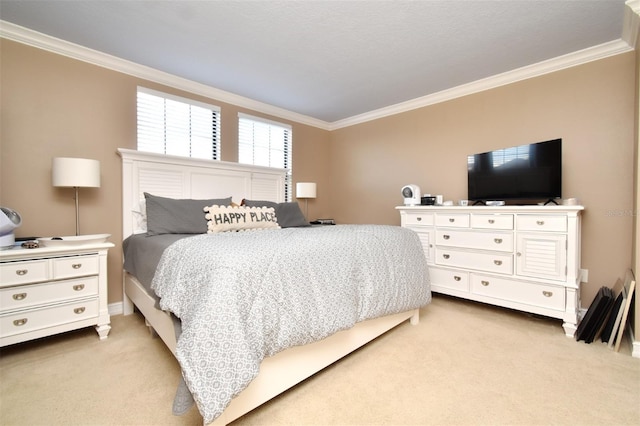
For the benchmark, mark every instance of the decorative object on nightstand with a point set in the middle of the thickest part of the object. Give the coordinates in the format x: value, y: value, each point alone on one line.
x: 306, y: 190
x: 50, y: 290
x: 75, y: 173
x: 9, y: 220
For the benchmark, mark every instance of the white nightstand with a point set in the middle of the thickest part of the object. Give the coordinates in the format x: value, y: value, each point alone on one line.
x: 50, y: 290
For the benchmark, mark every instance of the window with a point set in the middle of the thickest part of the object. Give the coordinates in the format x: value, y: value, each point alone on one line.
x: 173, y: 125
x: 263, y: 142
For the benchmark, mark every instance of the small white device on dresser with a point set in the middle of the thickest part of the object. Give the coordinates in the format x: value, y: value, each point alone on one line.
x: 53, y: 289
x: 411, y: 194
x: 519, y: 257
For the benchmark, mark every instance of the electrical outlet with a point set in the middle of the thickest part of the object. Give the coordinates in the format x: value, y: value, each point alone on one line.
x: 584, y: 275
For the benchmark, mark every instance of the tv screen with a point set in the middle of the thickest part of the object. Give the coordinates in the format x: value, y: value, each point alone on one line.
x: 526, y: 172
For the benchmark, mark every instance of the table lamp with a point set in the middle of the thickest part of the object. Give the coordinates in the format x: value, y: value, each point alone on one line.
x: 75, y: 173
x: 306, y: 190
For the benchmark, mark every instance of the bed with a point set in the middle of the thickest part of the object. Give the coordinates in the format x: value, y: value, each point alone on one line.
x: 283, y: 366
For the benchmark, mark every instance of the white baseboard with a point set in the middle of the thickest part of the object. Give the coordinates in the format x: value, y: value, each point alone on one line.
x: 115, y: 308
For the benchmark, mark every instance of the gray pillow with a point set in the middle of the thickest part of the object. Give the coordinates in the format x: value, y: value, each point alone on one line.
x: 172, y: 216
x: 288, y: 215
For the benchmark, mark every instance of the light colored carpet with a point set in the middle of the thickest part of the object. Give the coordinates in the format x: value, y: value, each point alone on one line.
x: 464, y: 364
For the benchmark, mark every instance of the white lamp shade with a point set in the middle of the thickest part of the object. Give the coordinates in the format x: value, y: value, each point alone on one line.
x: 75, y: 172
x: 306, y: 190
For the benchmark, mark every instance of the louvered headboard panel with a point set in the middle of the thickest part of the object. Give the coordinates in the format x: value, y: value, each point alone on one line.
x: 181, y: 177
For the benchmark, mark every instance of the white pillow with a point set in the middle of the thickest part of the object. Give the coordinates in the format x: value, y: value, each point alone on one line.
x: 233, y: 218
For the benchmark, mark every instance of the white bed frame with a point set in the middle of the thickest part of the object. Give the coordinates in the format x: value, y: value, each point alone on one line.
x: 178, y: 177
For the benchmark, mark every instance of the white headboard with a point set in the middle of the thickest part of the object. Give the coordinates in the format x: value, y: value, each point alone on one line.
x: 183, y: 177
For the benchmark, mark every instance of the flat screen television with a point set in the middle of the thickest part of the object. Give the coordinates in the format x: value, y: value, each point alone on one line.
x: 527, y: 172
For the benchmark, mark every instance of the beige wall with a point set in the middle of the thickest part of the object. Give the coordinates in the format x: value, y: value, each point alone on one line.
x: 590, y: 107
x: 55, y: 106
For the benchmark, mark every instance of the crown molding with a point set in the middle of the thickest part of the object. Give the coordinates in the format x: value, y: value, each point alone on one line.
x: 631, y: 22
x: 535, y: 70
x: 42, y: 41
x: 627, y: 43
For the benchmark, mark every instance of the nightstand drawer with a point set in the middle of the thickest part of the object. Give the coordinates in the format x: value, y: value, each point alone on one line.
x: 75, y: 266
x: 25, y: 321
x: 12, y: 273
x: 13, y: 298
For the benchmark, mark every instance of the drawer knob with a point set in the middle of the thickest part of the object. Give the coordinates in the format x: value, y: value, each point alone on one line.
x: 19, y: 322
x: 19, y: 296
x: 419, y: 219
x: 451, y: 220
x: 446, y: 237
x: 540, y: 222
x: 484, y: 283
x: 22, y: 272
x: 491, y: 221
x: 498, y: 240
x: 76, y: 265
x: 446, y: 256
x: 497, y: 262
x: 547, y: 293
x: 78, y: 310
x: 78, y: 287
x: 456, y: 278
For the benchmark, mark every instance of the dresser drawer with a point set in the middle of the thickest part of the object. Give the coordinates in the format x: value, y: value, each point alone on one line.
x: 75, y: 266
x: 36, y: 319
x: 540, y: 295
x: 492, y: 221
x: 501, y: 263
x: 12, y: 273
x: 417, y: 218
x: 456, y: 280
x: 453, y: 220
x: 549, y: 223
x: 497, y: 241
x: 12, y: 298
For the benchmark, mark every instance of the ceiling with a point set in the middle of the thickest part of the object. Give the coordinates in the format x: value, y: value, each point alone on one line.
x: 328, y: 60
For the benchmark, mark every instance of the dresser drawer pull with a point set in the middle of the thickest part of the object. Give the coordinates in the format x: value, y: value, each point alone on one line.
x: 78, y: 287
x: 19, y: 296
x: 491, y: 221
x: 451, y: 220
x: 540, y: 222
x: 76, y: 265
x: 22, y: 272
x: 446, y: 256
x: 484, y: 283
x: 498, y: 262
x: 446, y: 237
x: 456, y: 278
x: 19, y: 322
x: 547, y: 293
x: 419, y: 219
x: 497, y: 240
x: 78, y: 310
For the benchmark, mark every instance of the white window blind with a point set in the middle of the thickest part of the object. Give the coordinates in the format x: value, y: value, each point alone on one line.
x: 267, y: 143
x: 172, y: 125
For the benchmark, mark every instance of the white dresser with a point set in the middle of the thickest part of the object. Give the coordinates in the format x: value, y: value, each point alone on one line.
x: 520, y: 257
x: 51, y: 290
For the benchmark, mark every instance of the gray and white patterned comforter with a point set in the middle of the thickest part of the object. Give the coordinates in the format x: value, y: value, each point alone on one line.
x: 245, y: 296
